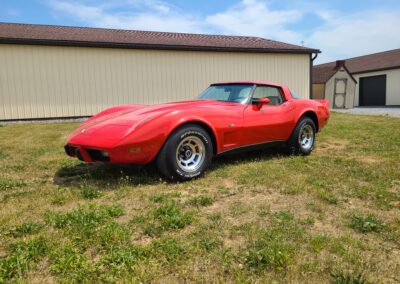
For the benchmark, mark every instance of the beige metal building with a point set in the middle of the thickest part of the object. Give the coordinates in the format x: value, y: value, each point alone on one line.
x: 54, y: 71
x: 377, y: 78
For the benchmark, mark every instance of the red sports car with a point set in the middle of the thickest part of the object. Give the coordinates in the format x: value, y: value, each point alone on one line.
x: 183, y: 137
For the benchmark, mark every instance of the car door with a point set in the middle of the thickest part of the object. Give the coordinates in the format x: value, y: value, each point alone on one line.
x: 271, y: 122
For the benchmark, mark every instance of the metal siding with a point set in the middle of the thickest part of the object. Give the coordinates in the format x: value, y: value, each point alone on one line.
x: 392, y: 86
x: 318, y: 91
x: 49, y: 81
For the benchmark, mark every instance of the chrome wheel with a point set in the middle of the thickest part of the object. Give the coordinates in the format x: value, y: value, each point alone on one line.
x: 190, y: 154
x: 306, y: 137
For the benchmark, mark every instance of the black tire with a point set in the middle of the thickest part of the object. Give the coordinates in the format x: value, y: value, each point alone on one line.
x: 172, y: 166
x: 295, y: 145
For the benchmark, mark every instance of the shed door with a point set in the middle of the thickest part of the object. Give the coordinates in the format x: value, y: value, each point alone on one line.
x: 373, y: 91
x: 339, y: 97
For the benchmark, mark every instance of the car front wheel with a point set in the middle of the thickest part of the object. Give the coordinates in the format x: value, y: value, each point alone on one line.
x: 186, y: 154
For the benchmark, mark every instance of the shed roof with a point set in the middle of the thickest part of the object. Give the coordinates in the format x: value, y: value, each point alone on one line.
x: 97, y: 37
x: 367, y: 63
x: 321, y: 74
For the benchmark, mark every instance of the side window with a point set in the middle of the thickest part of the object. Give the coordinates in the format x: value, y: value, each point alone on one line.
x: 272, y: 93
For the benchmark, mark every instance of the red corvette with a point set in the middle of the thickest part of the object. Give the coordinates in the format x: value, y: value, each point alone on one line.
x: 182, y: 137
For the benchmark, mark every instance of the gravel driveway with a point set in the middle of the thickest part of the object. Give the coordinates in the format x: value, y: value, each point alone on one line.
x: 391, y: 111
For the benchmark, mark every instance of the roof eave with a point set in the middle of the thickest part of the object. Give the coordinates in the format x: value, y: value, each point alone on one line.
x: 376, y: 70
x: 149, y: 46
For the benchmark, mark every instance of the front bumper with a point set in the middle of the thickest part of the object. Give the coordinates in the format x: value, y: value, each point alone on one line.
x: 138, y: 154
x: 87, y: 155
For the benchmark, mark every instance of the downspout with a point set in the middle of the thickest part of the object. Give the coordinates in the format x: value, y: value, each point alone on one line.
x: 312, y: 58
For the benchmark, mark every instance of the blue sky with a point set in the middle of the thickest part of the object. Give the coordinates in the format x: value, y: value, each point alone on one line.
x: 340, y: 29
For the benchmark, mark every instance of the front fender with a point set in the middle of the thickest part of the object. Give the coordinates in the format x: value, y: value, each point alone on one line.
x: 112, y: 110
x: 151, y: 134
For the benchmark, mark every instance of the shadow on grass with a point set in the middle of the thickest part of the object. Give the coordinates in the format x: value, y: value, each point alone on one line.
x: 249, y: 156
x: 100, y: 174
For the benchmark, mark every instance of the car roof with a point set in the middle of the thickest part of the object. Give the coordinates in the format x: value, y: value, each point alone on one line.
x: 250, y: 82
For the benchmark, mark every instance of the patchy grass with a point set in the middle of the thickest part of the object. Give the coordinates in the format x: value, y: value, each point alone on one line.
x: 330, y: 217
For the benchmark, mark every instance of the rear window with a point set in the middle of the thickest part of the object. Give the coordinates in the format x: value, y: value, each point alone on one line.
x: 294, y: 95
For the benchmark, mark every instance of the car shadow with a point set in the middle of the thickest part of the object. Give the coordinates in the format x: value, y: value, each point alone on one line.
x: 101, y: 175
x: 248, y: 156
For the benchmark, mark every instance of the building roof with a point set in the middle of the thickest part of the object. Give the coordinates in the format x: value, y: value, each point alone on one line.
x: 96, y: 37
x: 368, y: 63
x: 321, y: 74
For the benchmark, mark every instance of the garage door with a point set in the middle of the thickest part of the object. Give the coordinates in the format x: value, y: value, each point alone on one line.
x: 373, y: 91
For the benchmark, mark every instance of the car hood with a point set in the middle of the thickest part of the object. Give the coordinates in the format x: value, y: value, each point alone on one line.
x: 117, y: 125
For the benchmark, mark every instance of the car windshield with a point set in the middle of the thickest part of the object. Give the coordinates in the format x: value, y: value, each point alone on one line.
x: 227, y: 93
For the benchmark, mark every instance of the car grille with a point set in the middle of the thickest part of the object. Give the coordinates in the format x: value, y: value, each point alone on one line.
x: 96, y: 155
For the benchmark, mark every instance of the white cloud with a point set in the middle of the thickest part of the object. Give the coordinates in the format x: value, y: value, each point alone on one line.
x: 339, y: 35
x: 253, y: 17
x: 357, y: 34
x: 156, y: 16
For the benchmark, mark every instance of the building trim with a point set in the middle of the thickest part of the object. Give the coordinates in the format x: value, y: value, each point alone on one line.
x: 73, y: 43
x: 376, y: 70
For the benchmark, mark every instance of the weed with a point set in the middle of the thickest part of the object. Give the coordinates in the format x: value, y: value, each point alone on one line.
x: 26, y: 228
x: 268, y: 255
x: 23, y: 255
x: 90, y: 192
x: 164, y: 197
x: 123, y: 258
x: 7, y: 184
x: 169, y: 216
x: 319, y: 242
x: 239, y: 208
x: 113, y: 233
x: 328, y: 197
x: 168, y: 249
x: 365, y: 223
x: 348, y: 278
x: 58, y: 199
x: 70, y: 263
x: 201, y: 201
x: 210, y: 243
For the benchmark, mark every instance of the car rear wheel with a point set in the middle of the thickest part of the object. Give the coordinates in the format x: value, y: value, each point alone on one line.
x: 186, y: 154
x: 302, y: 140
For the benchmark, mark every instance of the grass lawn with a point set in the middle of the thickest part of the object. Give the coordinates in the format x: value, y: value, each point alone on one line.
x: 333, y: 216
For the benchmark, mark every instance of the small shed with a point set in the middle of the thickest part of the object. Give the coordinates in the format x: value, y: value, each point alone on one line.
x: 335, y: 84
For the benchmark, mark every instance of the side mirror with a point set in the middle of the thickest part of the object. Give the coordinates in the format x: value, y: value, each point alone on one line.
x: 261, y: 102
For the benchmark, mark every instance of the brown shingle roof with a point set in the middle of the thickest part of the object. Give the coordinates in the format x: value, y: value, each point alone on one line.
x: 78, y: 36
x: 322, y: 74
x: 373, y: 62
